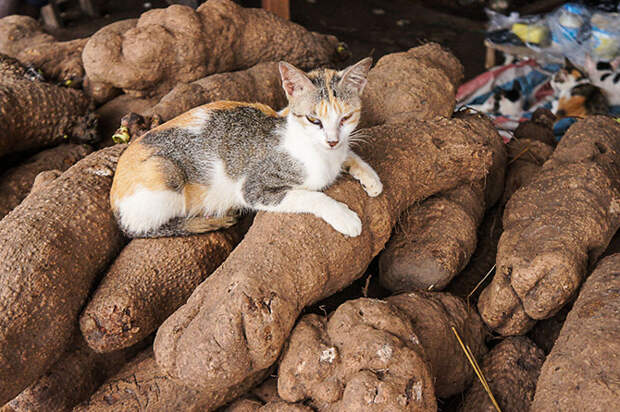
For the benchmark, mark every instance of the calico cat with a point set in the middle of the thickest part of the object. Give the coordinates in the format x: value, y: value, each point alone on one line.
x: 504, y: 102
x: 606, y: 76
x: 191, y: 173
x: 575, y: 94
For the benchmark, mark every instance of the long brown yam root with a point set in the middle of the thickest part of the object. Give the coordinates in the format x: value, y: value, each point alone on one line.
x: 35, y: 114
x: 54, y: 244
x: 555, y: 227
x: 19, y: 32
x: 180, y: 45
x: 141, y: 385
x: 582, y: 372
x: 434, y: 240
x: 15, y: 183
x: 72, y: 379
x: 511, y: 369
x: 370, y: 354
x: 242, y: 314
x: 148, y: 281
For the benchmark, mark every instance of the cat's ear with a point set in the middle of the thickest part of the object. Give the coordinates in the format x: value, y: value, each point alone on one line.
x: 354, y: 77
x: 590, y: 65
x: 615, y: 63
x: 294, y: 81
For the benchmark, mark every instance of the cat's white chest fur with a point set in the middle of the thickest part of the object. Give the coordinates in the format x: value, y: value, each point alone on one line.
x: 321, y: 166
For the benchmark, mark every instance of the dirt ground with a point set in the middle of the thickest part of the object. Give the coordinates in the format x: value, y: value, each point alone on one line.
x: 368, y: 27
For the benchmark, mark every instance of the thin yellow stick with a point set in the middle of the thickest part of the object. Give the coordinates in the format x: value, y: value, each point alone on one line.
x: 478, y: 285
x: 477, y: 370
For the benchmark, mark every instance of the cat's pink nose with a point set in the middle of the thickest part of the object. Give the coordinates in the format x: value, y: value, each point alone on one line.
x: 332, y: 144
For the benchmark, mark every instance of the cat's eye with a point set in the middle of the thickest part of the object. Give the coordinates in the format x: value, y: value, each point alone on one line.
x: 345, y: 118
x: 314, y: 120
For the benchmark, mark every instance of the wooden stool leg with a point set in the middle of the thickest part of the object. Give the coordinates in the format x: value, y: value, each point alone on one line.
x: 279, y: 7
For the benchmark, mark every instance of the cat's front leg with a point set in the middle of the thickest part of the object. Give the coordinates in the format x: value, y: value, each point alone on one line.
x: 365, y: 174
x: 336, y: 213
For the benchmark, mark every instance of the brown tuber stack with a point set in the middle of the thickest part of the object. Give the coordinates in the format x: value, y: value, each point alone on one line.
x: 179, y: 45
x: 15, y: 183
x: 243, y: 312
x: 35, y: 114
x: 582, y: 372
x: 511, y: 369
x: 148, y: 281
x: 370, y: 354
x: 555, y: 227
x: 54, y: 244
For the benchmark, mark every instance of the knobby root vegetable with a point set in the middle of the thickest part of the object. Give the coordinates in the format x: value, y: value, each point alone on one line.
x: 15, y: 183
x: 422, y: 84
x: 19, y: 32
x: 35, y: 114
x: 54, y: 244
x: 372, y: 354
x: 582, y: 372
x: 141, y: 385
x: 511, y: 369
x: 555, y: 227
x: 235, y: 322
x: 434, y: 240
x: 180, y: 45
x: 71, y: 380
x: 148, y: 281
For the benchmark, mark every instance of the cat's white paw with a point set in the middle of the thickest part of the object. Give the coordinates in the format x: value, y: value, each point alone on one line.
x: 373, y: 186
x: 343, y: 219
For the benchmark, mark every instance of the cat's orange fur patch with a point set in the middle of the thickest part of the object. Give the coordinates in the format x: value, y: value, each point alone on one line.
x: 573, y: 106
x: 194, y: 195
x: 137, y: 167
x: 227, y: 104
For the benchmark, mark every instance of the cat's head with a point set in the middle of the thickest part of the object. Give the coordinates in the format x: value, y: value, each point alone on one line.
x: 326, y: 104
x: 567, y: 77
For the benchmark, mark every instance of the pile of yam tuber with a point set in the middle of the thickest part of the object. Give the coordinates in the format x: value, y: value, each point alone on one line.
x: 280, y: 312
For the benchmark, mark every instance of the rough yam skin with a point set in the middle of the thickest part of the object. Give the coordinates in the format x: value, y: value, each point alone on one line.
x: 242, y: 314
x: 366, y: 357
x: 582, y: 372
x: 432, y: 316
x: 511, y: 368
x: 141, y: 386
x: 147, y: 282
x: 61, y: 61
x: 527, y: 157
x: 71, y: 380
x: 260, y: 83
x: 53, y: 246
x: 180, y: 45
x: 15, y: 183
x: 250, y: 405
x: 539, y: 127
x: 36, y: 114
x: 434, y: 240
x: 555, y: 227
x: 421, y: 82
x: 19, y: 32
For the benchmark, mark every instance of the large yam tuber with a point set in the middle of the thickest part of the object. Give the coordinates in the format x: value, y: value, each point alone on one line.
x: 511, y: 369
x: 582, y: 372
x: 15, y: 183
x: 367, y: 357
x: 235, y: 322
x: 19, y: 32
x: 555, y: 227
x: 23, y: 38
x: 180, y: 45
x: 71, y: 380
x: 392, y: 355
x: 148, y: 281
x: 142, y: 386
x: 36, y: 114
x: 422, y: 84
x: 434, y: 240
x: 53, y: 246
